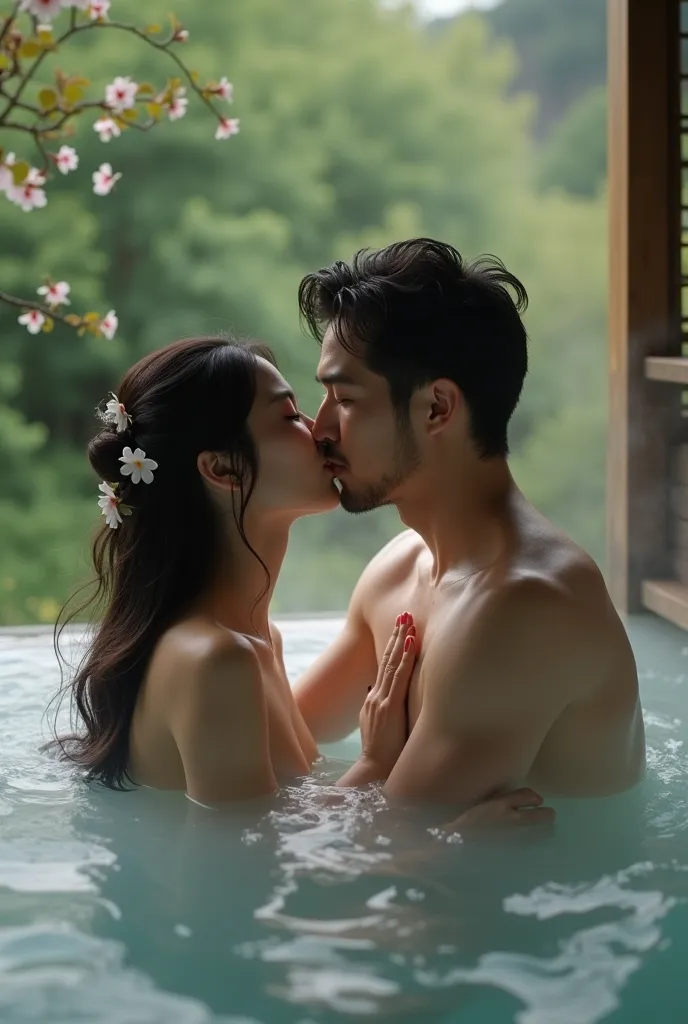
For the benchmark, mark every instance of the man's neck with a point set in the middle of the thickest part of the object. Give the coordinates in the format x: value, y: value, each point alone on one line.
x: 462, y: 516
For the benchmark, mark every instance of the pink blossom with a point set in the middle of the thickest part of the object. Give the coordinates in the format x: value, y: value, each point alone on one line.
x: 225, y: 90
x: 33, y: 320
x: 47, y: 9
x: 98, y: 9
x: 29, y: 195
x: 67, y: 159
x: 104, y: 180
x: 107, y: 129
x: 228, y: 126
x: 177, y: 108
x: 120, y: 94
x: 109, y: 324
x: 6, y: 182
x: 55, y: 294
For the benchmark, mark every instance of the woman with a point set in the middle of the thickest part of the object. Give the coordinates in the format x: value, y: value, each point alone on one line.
x: 205, y: 462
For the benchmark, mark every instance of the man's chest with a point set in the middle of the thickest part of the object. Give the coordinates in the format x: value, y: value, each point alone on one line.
x: 432, y: 612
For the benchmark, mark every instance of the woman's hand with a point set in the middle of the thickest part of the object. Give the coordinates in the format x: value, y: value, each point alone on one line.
x: 523, y: 807
x: 384, y: 717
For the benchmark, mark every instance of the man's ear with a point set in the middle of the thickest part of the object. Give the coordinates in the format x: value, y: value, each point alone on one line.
x: 444, y: 402
x: 215, y: 470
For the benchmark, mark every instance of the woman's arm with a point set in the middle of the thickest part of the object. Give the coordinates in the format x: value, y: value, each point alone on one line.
x: 219, y: 723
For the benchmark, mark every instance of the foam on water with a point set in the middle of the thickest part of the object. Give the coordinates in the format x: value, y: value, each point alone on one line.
x: 324, y: 904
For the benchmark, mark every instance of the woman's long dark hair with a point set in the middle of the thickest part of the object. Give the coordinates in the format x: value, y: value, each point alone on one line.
x: 188, y: 397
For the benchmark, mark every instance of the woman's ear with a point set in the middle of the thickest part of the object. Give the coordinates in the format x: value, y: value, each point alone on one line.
x: 215, y: 470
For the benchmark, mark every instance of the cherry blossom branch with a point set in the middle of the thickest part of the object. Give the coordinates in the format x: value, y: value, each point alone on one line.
x: 58, y: 104
x: 9, y: 19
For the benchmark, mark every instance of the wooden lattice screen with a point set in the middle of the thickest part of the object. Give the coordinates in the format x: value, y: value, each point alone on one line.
x: 648, y: 323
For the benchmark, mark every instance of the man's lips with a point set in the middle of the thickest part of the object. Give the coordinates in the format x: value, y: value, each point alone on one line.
x: 334, y: 467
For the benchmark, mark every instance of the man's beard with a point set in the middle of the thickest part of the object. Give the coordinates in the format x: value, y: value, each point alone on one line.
x: 405, y: 462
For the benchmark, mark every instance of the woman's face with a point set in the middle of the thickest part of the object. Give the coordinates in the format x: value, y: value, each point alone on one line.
x: 292, y: 476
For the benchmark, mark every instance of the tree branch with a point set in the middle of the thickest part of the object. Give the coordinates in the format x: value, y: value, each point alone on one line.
x: 13, y: 300
x: 9, y: 19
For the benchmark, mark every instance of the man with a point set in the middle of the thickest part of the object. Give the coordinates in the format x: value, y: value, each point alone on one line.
x: 524, y: 674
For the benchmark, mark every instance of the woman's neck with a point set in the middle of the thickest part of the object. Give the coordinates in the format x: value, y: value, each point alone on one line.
x: 240, y: 594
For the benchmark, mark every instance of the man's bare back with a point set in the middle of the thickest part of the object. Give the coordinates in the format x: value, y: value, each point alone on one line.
x: 525, y: 674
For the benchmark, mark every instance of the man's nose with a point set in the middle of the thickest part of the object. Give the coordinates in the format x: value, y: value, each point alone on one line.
x: 325, y: 425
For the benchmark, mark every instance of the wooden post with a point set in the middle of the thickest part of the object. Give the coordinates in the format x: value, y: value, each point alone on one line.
x: 644, y: 303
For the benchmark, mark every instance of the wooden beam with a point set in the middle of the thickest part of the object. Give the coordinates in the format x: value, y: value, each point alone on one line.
x: 644, y: 311
x: 668, y: 599
x: 670, y: 369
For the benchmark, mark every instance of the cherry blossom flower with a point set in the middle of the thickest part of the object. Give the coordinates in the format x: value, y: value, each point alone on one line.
x: 108, y: 503
x: 225, y: 90
x: 107, y: 129
x: 67, y: 159
x: 104, y: 180
x: 6, y: 182
x: 137, y: 466
x: 109, y: 324
x: 47, y: 9
x: 117, y: 414
x: 33, y: 320
x: 29, y: 195
x: 178, y: 105
x: 181, y: 35
x: 120, y: 94
x: 55, y: 294
x: 228, y: 126
x: 98, y: 9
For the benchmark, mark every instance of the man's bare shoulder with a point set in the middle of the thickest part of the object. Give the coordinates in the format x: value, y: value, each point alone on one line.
x: 393, y: 560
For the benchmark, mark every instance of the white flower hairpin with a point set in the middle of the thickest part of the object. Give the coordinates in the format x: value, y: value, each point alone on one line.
x: 116, y: 413
x: 111, y: 506
x: 137, y: 466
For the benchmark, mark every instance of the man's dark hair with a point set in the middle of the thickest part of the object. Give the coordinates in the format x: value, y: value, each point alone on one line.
x: 416, y: 311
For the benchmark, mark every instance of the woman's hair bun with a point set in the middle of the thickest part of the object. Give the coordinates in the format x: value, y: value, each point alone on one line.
x: 104, y: 451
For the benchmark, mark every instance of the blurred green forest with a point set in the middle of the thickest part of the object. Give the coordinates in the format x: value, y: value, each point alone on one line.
x: 359, y: 125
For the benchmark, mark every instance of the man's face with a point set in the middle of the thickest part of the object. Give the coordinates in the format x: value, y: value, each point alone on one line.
x: 370, y: 451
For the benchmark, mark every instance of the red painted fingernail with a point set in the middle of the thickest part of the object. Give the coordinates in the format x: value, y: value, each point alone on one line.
x: 398, y: 622
x: 405, y: 618
x: 407, y: 643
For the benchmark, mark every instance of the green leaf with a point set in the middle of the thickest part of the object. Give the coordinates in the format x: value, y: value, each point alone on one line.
x: 153, y: 29
x: 49, y: 325
x: 146, y: 89
x: 5, y: 62
x: 73, y: 93
x: 130, y: 114
x: 47, y: 99
x: 30, y: 48
x: 19, y: 171
x: 155, y: 110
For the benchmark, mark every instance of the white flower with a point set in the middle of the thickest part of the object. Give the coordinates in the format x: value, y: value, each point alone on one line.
x: 108, y: 505
x: 177, y: 107
x: 137, y: 466
x: 55, y: 294
x: 47, y: 9
x: 104, y: 180
x: 225, y: 90
x: 29, y: 195
x: 98, y: 9
x: 6, y: 182
x: 107, y: 129
x: 120, y: 94
x: 227, y: 126
x: 67, y: 159
x: 117, y: 414
x: 181, y: 36
x: 33, y: 320
x: 109, y: 324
